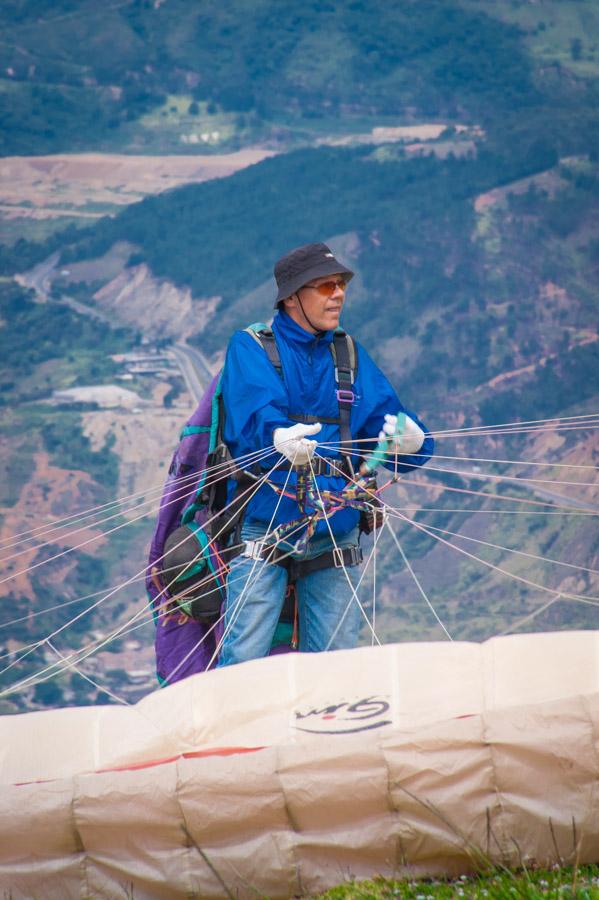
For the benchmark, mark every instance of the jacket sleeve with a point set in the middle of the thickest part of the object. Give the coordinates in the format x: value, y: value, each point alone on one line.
x: 378, y: 397
x: 254, y: 397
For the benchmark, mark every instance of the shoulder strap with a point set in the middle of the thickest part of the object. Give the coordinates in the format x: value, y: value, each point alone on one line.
x: 264, y: 336
x: 345, y: 355
x: 345, y: 358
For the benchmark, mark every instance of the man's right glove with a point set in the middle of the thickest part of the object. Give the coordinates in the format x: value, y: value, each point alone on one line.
x: 292, y: 443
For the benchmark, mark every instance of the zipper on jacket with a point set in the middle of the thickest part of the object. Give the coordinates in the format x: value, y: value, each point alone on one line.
x: 313, y: 345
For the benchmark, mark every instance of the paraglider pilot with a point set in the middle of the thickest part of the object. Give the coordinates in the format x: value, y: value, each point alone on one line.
x: 310, y: 409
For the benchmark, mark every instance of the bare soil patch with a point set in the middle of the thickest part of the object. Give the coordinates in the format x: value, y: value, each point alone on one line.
x: 144, y: 442
x: 49, y: 495
x: 56, y: 185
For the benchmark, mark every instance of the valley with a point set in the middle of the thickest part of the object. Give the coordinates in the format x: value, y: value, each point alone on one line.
x: 449, y: 157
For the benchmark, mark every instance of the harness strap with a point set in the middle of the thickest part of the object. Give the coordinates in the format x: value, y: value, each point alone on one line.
x: 194, y: 429
x: 321, y: 466
x: 266, y: 338
x: 310, y: 420
x: 345, y: 361
x: 344, y: 376
x: 299, y: 568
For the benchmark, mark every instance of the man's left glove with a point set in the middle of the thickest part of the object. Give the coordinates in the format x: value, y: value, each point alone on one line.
x: 406, y: 440
x: 292, y: 443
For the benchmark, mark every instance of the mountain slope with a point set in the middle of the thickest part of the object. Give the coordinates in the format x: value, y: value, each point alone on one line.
x: 77, y: 77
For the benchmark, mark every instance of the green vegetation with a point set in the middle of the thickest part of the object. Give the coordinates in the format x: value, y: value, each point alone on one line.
x: 580, y: 882
x: 69, y: 448
x: 34, y: 231
x: 555, y: 383
x: 414, y: 219
x: 476, y: 284
x: 88, y: 75
x: 421, y: 207
x: 44, y: 347
x: 559, y: 33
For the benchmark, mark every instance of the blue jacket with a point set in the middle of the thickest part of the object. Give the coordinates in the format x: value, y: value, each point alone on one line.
x: 257, y: 401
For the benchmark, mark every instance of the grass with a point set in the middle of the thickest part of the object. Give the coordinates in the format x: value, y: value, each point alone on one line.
x: 579, y: 881
x: 35, y: 230
x: 168, y: 128
x: 551, y: 30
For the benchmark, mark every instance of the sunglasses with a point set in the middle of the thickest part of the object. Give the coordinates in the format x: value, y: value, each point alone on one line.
x: 328, y: 288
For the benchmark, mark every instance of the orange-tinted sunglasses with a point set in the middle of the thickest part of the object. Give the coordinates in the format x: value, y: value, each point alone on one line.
x: 328, y: 288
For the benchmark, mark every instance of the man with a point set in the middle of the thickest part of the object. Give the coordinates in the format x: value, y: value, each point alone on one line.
x: 287, y: 408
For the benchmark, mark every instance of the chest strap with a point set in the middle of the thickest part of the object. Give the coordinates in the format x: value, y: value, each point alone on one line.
x: 321, y: 465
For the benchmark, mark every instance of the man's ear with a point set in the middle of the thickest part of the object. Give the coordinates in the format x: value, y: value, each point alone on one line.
x: 290, y: 302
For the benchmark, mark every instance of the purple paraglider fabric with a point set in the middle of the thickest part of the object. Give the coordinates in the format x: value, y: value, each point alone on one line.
x: 183, y: 645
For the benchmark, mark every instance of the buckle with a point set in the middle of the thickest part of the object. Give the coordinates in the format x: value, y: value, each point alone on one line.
x: 350, y: 466
x: 323, y: 467
x: 356, y: 556
x: 344, y: 396
x: 338, y: 560
x: 253, y: 549
x: 346, y: 372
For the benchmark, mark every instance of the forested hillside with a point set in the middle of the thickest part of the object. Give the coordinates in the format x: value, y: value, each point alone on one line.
x: 465, y: 286
x: 476, y: 255
x: 76, y: 75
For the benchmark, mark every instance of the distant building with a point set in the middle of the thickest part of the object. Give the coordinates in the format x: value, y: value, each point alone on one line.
x: 107, y: 396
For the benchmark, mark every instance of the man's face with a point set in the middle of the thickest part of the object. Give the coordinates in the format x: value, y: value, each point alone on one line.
x: 316, y: 311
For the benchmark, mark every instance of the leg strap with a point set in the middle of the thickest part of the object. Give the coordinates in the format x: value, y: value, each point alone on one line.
x: 298, y: 568
x: 338, y: 558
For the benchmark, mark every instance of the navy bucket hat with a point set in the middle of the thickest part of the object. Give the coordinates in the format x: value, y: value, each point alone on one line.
x: 301, y: 265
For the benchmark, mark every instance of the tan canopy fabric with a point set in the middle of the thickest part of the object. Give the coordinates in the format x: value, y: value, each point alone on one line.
x: 287, y: 775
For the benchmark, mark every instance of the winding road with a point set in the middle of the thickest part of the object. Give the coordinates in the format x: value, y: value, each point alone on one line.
x: 194, y: 368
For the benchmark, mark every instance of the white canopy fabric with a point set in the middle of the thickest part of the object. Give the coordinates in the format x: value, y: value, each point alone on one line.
x: 290, y: 774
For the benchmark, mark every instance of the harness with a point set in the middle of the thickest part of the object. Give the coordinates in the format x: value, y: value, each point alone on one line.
x: 345, y: 361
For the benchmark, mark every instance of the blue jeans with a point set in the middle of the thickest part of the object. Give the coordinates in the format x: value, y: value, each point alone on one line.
x: 329, y: 615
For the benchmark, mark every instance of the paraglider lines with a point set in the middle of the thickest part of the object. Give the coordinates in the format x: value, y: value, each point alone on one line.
x: 588, y: 422
x: 593, y: 600
x: 548, y: 559
x: 117, y: 515
x: 190, y: 477
x: 90, y: 680
x: 371, y: 557
x: 103, y: 642
x: 234, y: 613
x: 417, y: 582
x: 343, y: 567
x: 563, y: 595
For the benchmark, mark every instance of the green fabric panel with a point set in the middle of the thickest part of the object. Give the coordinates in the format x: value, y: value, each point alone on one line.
x: 192, y: 570
x: 190, y: 512
x: 200, y: 564
x: 194, y: 429
x: 283, y: 635
x: 205, y: 562
x: 213, y: 429
x: 154, y: 611
x: 214, y: 417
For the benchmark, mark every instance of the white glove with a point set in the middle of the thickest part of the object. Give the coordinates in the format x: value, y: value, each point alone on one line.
x: 292, y: 443
x: 409, y: 441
